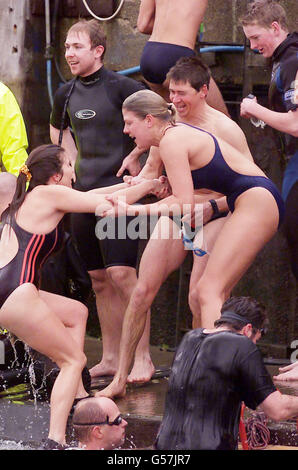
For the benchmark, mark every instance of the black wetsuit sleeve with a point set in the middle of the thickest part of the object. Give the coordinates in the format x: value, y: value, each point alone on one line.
x: 255, y: 381
x: 288, y: 76
x: 58, y: 106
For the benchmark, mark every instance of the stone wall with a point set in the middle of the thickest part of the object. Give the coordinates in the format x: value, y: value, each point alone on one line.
x: 23, y: 68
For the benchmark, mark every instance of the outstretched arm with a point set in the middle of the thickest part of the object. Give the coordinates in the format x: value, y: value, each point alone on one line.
x: 64, y: 199
x: 280, y: 407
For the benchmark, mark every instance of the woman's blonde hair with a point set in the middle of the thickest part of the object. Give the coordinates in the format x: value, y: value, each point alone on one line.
x: 146, y: 102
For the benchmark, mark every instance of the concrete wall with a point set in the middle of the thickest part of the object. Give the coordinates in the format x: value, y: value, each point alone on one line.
x: 23, y: 68
x: 12, y: 33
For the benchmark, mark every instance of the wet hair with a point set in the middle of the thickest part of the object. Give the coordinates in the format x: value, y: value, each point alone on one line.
x: 263, y: 13
x: 86, y: 411
x: 145, y: 102
x: 94, y: 31
x: 42, y: 163
x: 248, y: 308
x: 192, y: 70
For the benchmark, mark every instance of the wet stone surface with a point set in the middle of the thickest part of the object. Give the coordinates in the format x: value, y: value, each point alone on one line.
x: 24, y: 422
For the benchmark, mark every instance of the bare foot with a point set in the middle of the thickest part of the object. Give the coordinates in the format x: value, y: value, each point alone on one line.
x: 142, y: 371
x: 102, y: 369
x: 112, y: 390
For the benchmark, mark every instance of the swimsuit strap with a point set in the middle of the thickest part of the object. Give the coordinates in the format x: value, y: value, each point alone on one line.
x: 203, y: 130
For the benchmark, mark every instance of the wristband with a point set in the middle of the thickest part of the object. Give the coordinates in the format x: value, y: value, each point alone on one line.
x: 214, y: 205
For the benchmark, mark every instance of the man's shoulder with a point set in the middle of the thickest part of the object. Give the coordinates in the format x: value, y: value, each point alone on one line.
x: 232, y: 338
x: 116, y: 77
x: 63, y: 89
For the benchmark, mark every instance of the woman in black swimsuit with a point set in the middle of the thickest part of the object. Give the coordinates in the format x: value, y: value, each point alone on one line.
x: 51, y: 324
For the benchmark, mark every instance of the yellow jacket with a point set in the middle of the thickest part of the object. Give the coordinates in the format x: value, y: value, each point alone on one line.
x: 13, y: 137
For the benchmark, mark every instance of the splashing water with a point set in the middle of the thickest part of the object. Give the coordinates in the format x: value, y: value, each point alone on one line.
x: 13, y: 445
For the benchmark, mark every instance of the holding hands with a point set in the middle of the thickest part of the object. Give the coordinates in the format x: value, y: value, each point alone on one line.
x: 161, y: 185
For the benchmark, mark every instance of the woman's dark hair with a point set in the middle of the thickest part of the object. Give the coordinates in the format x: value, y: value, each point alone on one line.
x: 42, y: 163
x: 250, y: 309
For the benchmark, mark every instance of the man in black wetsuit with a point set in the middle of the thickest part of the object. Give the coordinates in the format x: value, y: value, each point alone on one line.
x: 93, y: 102
x: 213, y: 372
x: 265, y: 25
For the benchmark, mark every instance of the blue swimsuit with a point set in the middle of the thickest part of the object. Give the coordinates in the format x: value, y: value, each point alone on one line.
x: 158, y: 57
x: 219, y: 177
x: 26, y: 266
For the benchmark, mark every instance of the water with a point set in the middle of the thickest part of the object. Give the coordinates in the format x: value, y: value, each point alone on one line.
x: 24, y: 414
x: 13, y: 445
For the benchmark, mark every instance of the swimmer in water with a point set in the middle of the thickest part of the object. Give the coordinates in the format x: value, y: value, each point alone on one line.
x: 98, y: 424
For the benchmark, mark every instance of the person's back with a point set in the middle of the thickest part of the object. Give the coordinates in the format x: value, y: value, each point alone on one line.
x: 178, y: 22
x: 211, y: 375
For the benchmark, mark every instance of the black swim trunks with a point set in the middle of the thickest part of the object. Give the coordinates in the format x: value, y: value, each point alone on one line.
x: 99, y: 251
x: 158, y: 57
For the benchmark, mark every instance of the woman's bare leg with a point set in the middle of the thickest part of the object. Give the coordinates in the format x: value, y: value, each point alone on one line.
x: 73, y: 315
x: 249, y: 228
x: 27, y: 316
x: 210, y: 234
x: 163, y: 254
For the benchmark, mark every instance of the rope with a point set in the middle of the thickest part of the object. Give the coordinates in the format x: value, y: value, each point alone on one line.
x: 258, y: 434
x: 254, y: 433
x: 103, y: 19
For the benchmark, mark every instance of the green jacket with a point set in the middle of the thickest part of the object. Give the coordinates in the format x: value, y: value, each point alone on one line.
x: 13, y: 137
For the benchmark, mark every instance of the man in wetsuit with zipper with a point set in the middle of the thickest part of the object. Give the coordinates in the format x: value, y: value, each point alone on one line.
x: 93, y: 104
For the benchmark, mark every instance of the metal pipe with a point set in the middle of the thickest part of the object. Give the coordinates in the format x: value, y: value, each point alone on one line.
x: 48, y: 54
